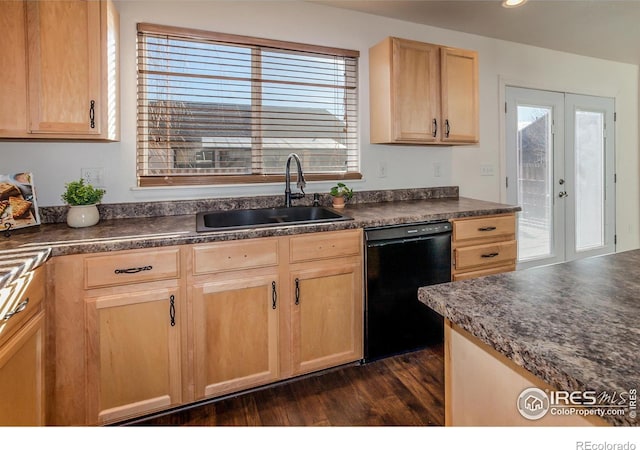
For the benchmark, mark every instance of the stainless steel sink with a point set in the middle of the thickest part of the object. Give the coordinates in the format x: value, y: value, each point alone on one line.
x: 265, y: 217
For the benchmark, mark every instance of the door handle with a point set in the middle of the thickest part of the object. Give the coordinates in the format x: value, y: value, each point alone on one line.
x: 563, y: 194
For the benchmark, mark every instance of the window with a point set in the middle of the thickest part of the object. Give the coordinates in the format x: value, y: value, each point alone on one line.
x: 216, y: 108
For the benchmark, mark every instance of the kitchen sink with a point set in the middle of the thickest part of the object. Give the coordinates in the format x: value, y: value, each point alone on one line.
x: 265, y: 217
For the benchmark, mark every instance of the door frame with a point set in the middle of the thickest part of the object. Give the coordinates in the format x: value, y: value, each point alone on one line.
x: 558, y: 240
x: 503, y: 83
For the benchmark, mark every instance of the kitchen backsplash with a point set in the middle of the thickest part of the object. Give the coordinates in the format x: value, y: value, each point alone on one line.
x: 58, y: 214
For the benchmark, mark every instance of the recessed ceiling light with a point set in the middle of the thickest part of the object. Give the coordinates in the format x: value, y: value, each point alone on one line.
x: 513, y: 3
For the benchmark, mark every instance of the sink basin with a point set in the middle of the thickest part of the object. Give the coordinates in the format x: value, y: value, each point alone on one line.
x: 265, y: 217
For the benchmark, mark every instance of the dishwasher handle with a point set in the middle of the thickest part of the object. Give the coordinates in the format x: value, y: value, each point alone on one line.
x: 384, y: 242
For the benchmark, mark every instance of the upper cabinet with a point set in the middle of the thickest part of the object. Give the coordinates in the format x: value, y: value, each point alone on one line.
x: 422, y: 93
x: 61, y: 75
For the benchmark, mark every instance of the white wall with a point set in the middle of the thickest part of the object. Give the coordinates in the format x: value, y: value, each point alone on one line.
x: 501, y: 62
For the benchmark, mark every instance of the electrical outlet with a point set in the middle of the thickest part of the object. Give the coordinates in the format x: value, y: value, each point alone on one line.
x: 93, y: 176
x: 487, y: 170
x: 437, y: 169
x: 382, y: 169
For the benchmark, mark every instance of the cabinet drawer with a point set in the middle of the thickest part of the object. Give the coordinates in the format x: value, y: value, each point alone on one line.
x: 20, y: 301
x: 495, y: 254
x: 131, y: 267
x: 244, y: 254
x: 492, y: 227
x: 325, y: 245
x: 483, y: 272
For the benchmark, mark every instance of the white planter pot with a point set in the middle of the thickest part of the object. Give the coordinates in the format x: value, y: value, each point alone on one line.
x: 83, y: 216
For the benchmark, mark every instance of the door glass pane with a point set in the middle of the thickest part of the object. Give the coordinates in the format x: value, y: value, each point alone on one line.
x: 589, y: 173
x: 535, y: 161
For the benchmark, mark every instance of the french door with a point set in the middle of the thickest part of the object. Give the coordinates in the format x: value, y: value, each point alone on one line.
x: 560, y: 170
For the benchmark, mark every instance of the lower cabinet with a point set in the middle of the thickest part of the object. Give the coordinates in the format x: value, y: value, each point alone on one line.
x: 483, y: 245
x: 22, y: 351
x: 22, y: 376
x: 133, y: 360
x: 140, y: 331
x: 235, y: 332
x: 326, y: 322
x: 270, y: 309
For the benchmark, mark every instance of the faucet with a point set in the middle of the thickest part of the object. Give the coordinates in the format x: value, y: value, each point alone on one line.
x: 287, y: 179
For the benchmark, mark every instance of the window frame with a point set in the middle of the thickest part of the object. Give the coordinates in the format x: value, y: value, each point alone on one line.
x: 177, y: 179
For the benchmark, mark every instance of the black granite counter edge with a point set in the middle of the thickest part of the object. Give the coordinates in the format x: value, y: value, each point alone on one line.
x: 521, y: 355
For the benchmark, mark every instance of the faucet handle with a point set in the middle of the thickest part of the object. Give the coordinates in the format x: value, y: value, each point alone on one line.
x: 316, y: 199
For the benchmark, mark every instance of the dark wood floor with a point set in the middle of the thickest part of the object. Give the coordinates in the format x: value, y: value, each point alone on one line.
x: 405, y: 390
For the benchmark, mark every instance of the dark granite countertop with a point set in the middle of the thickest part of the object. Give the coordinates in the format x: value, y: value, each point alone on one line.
x: 156, y: 231
x: 573, y: 325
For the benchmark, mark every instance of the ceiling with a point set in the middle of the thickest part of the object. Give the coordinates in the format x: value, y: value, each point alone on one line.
x: 607, y: 29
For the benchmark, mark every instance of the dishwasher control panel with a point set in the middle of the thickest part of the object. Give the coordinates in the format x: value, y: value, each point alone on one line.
x: 407, y: 231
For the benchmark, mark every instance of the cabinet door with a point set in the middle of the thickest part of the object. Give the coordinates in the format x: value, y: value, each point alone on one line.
x: 64, y: 56
x: 13, y: 69
x: 235, y: 325
x: 459, y: 84
x: 22, y: 376
x: 133, y: 354
x: 326, y: 314
x: 415, y: 96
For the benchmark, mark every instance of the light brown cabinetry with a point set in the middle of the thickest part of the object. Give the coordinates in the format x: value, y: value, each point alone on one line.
x: 326, y: 306
x: 116, y: 354
x: 22, y: 344
x: 235, y: 306
x: 483, y: 246
x: 119, y: 319
x: 269, y: 309
x: 422, y: 93
x: 63, y: 74
x: 133, y: 333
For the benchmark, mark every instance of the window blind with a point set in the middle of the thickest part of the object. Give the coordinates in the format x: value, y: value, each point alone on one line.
x: 217, y: 108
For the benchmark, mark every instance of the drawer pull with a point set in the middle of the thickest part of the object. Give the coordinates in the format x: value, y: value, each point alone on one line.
x: 489, y: 255
x: 92, y: 114
x: 21, y: 307
x: 172, y: 310
x: 487, y: 229
x: 133, y: 270
x: 274, y: 295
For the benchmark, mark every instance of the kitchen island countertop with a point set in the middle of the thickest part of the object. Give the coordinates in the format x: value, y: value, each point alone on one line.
x: 575, y: 326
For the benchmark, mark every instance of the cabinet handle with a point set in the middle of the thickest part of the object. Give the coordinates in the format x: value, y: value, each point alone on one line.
x: 133, y: 270
x: 92, y: 114
x: 172, y: 310
x: 489, y: 255
x: 21, y: 307
x: 447, y: 128
x: 435, y: 127
x: 487, y: 229
x: 297, y: 291
x: 274, y: 295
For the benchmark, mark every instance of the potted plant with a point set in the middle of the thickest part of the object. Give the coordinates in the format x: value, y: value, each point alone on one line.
x: 340, y: 193
x: 82, y: 200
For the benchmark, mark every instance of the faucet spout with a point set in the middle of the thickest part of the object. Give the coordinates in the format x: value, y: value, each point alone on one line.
x: 301, y: 183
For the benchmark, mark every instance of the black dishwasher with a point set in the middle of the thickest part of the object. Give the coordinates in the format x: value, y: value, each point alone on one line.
x: 400, y: 259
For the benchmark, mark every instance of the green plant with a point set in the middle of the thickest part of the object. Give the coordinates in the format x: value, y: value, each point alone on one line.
x: 78, y: 193
x: 341, y: 190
